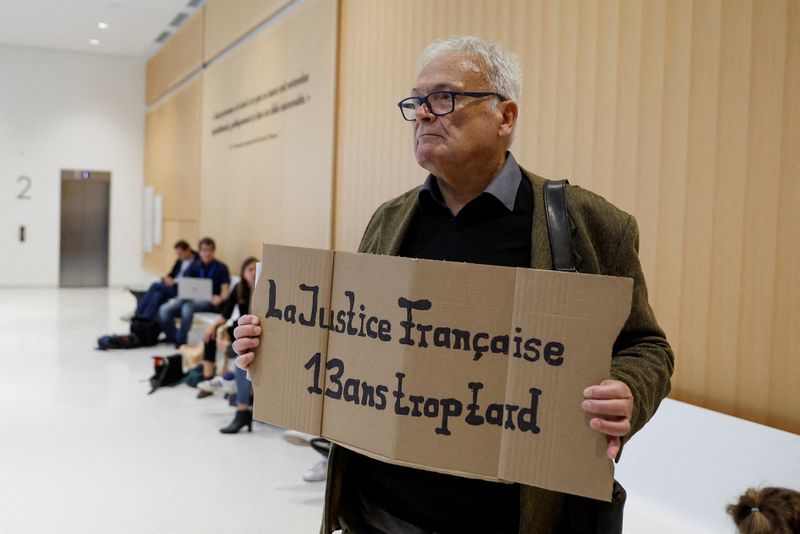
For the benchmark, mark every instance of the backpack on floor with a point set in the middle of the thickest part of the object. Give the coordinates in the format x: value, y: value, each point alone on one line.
x: 146, y: 330
x: 118, y: 342
x: 167, y: 371
x: 194, y: 376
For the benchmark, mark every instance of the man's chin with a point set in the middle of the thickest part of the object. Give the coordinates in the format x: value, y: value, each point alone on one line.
x: 427, y: 154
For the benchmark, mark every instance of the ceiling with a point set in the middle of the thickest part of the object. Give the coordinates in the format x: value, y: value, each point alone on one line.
x: 133, y: 25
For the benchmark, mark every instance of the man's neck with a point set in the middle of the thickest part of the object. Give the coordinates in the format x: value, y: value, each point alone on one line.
x: 460, y: 187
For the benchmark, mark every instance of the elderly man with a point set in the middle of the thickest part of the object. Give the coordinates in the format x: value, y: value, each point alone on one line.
x: 478, y: 205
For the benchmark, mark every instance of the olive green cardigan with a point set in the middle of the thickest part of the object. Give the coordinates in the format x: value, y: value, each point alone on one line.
x: 605, y: 240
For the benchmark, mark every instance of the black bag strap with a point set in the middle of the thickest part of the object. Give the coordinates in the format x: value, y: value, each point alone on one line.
x: 555, y: 206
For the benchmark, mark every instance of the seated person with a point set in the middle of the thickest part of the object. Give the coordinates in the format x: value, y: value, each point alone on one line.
x: 206, y: 266
x: 167, y: 288
x: 240, y: 296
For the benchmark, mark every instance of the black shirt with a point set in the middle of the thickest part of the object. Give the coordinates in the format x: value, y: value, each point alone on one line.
x: 494, y: 229
x: 227, y: 307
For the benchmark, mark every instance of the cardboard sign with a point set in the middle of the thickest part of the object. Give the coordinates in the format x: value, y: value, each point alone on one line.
x: 470, y: 370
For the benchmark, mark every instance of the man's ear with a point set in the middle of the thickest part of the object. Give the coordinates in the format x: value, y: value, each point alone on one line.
x: 509, y: 112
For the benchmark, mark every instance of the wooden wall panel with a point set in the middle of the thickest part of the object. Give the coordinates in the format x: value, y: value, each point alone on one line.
x: 266, y: 172
x: 226, y: 21
x: 784, y: 376
x: 728, y: 205
x: 699, y: 177
x: 768, y: 61
x: 160, y: 261
x: 683, y: 112
x: 172, y: 167
x: 180, y: 56
x: 172, y: 151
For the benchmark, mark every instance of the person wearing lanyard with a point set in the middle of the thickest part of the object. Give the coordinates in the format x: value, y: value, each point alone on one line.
x: 206, y: 266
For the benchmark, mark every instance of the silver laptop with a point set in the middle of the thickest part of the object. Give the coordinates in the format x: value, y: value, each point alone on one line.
x: 194, y: 288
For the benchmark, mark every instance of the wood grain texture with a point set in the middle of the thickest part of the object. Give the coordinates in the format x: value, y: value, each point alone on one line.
x: 685, y: 113
x: 172, y: 150
x: 180, y: 56
x: 269, y: 179
x: 160, y: 261
x: 226, y: 22
x: 172, y: 167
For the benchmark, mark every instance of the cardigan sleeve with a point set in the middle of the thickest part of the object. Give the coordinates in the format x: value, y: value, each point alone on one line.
x: 641, y: 357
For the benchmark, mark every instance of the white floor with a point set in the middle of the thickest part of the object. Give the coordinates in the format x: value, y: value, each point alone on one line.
x: 84, y: 449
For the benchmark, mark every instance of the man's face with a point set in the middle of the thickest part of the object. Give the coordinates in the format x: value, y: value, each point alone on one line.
x: 183, y: 253
x: 444, y: 143
x: 206, y: 253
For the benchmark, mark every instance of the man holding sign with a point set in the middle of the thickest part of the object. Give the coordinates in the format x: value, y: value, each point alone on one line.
x: 479, y: 206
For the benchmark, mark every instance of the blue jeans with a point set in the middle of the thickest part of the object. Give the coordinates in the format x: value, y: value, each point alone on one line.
x: 244, y: 389
x: 185, y: 309
x: 158, y: 294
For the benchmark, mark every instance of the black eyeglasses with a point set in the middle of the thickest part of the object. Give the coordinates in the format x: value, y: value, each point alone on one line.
x: 438, y: 103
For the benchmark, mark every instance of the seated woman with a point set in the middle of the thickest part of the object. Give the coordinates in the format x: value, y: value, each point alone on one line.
x: 240, y: 296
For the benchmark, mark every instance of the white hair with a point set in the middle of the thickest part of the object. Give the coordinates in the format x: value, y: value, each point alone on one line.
x: 500, y: 67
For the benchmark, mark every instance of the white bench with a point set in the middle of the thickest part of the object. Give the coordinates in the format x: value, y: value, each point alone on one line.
x: 689, y: 463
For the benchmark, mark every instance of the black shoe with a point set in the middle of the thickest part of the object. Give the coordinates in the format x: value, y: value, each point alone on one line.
x: 244, y: 418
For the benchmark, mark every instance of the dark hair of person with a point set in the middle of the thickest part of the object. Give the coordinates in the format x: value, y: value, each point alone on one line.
x: 243, y: 289
x: 183, y: 245
x: 767, y: 511
x: 207, y: 241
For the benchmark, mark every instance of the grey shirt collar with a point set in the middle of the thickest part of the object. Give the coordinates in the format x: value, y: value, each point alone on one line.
x: 503, y: 187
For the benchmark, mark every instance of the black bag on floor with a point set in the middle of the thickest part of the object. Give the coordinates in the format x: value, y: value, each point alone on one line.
x: 167, y: 371
x: 146, y: 330
x: 118, y: 342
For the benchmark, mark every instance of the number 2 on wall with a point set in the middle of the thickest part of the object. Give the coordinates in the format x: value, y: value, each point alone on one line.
x: 23, y: 195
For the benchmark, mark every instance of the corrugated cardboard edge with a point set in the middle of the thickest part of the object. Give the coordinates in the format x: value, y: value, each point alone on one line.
x: 417, y: 466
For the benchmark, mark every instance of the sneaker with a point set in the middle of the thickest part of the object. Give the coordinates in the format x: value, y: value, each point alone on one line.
x: 318, y: 473
x: 298, y: 438
x: 217, y: 384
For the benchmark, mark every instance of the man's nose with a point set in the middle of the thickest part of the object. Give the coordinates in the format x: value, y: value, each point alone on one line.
x: 423, y: 113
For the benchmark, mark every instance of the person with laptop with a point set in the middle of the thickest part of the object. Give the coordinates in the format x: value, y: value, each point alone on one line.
x: 193, y: 293
x: 166, y: 288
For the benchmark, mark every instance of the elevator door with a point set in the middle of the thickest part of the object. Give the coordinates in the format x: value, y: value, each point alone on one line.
x: 84, y: 228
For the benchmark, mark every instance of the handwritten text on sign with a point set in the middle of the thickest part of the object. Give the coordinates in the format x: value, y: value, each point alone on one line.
x: 464, y: 369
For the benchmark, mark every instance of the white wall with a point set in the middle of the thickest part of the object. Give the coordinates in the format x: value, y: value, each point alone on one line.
x: 68, y: 110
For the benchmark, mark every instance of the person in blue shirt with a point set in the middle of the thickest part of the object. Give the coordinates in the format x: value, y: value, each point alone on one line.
x: 205, y: 266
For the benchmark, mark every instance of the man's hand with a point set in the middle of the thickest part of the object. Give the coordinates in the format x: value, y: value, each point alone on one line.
x: 612, y: 403
x: 248, y: 337
x: 168, y: 281
x: 215, y: 300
